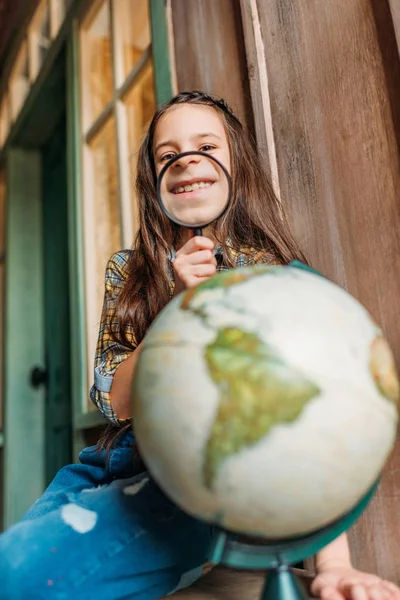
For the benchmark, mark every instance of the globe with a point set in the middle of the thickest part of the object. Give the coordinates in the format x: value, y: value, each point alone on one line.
x: 265, y: 401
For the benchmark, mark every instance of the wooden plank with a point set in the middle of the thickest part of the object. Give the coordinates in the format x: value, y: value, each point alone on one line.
x: 210, y: 54
x: 258, y: 80
x: 333, y: 104
x: 229, y: 584
x: 76, y: 12
x: 387, y: 24
x: 24, y: 471
x: 394, y: 6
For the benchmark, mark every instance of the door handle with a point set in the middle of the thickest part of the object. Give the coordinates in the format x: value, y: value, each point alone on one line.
x: 38, y: 377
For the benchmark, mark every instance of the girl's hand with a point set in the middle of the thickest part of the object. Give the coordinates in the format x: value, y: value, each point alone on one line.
x: 194, y: 263
x: 346, y: 583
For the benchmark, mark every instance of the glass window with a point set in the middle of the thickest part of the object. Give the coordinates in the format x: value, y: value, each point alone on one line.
x: 132, y: 34
x: 117, y: 103
x: 102, y: 221
x: 97, y: 77
x: 19, y: 81
x: 140, y: 105
x: 103, y: 150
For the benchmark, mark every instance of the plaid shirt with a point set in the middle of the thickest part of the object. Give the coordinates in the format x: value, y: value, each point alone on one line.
x: 109, y: 354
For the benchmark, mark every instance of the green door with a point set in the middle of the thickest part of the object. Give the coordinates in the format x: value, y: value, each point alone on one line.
x: 37, y: 430
x: 58, y: 412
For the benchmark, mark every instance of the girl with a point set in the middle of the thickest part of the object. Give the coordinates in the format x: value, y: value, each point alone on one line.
x: 103, y: 529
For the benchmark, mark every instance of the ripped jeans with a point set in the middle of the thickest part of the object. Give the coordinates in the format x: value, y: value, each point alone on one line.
x: 101, y: 531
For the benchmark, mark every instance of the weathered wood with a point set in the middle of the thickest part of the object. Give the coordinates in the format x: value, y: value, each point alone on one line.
x: 332, y: 77
x: 13, y: 14
x: 394, y: 6
x: 258, y: 81
x: 227, y: 584
x: 209, y: 51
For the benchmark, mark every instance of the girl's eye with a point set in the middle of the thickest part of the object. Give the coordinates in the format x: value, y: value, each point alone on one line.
x: 207, y: 148
x: 166, y: 157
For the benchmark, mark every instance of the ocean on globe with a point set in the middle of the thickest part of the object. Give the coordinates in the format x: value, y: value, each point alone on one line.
x: 265, y: 401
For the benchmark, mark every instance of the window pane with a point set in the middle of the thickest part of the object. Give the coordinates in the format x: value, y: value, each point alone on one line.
x: 102, y: 226
x: 40, y: 39
x: 132, y: 34
x: 19, y: 81
x: 96, y: 65
x: 106, y: 208
x: 140, y: 106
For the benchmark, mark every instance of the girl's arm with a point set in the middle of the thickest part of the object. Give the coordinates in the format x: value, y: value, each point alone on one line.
x: 110, y: 355
x: 336, y: 554
x: 193, y: 264
x: 120, y: 392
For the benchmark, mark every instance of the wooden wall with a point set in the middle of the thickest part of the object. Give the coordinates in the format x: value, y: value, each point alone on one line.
x: 324, y: 79
x: 333, y: 73
x: 13, y: 14
x: 209, y: 51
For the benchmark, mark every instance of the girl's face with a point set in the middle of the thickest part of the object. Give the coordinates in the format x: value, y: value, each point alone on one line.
x: 195, y: 189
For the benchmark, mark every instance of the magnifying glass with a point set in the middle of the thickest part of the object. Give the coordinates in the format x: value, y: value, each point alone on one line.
x: 194, y: 189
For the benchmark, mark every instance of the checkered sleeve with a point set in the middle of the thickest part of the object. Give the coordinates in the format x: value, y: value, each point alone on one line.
x: 251, y: 256
x: 109, y: 353
x: 262, y: 257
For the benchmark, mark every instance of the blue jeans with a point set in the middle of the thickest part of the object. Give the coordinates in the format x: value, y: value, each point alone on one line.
x: 102, y: 531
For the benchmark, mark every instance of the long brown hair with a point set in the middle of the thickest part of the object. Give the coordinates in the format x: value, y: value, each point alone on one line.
x: 255, y: 219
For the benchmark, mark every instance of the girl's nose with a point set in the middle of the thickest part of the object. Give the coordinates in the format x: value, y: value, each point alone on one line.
x: 185, y: 161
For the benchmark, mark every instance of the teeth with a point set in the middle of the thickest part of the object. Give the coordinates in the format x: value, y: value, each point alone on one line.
x: 193, y: 187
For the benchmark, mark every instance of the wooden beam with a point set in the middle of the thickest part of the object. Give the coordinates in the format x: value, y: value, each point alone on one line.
x: 230, y: 584
x: 210, y: 54
x: 395, y: 10
x: 335, y: 96
x: 259, y: 87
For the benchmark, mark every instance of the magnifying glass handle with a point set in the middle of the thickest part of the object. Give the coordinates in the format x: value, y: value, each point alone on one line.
x: 197, y: 231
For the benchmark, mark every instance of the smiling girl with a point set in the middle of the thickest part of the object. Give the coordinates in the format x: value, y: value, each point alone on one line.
x: 103, y: 529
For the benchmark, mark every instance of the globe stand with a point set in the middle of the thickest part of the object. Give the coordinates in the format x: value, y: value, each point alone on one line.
x: 281, y: 582
x: 277, y: 556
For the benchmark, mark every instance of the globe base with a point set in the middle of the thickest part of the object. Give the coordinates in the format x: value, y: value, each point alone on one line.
x: 282, y: 584
x: 277, y: 556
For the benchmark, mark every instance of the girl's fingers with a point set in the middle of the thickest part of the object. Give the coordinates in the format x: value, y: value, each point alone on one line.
x: 365, y: 591
x: 330, y: 593
x: 202, y: 256
x: 204, y: 270
x: 196, y: 243
x: 392, y: 588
